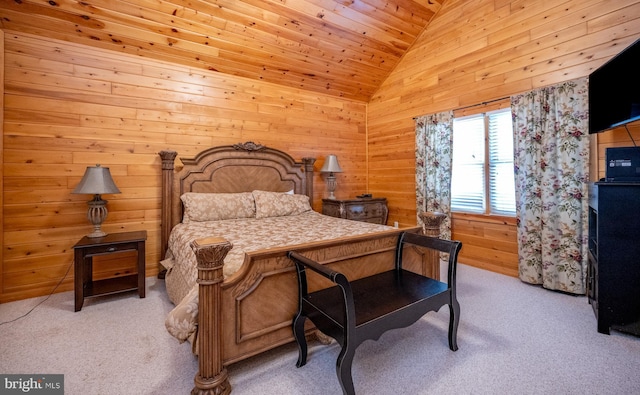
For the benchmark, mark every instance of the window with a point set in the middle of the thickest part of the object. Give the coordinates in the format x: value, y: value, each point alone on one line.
x: 482, y: 177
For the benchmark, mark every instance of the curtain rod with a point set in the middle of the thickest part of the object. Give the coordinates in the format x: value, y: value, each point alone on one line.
x: 484, y: 103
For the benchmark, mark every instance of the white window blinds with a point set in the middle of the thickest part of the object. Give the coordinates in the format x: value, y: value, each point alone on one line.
x: 502, y: 193
x: 482, y: 176
x: 467, y: 178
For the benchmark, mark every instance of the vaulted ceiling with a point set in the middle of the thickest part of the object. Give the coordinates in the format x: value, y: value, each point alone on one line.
x: 339, y: 47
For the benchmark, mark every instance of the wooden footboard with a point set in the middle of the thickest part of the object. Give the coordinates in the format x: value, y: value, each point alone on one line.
x: 251, y: 312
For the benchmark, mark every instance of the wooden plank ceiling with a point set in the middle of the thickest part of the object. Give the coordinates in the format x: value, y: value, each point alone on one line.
x: 344, y: 48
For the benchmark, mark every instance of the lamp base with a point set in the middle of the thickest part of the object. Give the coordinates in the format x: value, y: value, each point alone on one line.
x: 96, y: 233
x: 331, y: 185
x: 96, y: 214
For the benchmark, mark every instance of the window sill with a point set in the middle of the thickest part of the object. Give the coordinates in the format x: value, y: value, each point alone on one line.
x: 489, y: 218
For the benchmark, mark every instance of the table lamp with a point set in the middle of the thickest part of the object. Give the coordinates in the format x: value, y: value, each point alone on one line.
x: 96, y: 181
x: 331, y: 166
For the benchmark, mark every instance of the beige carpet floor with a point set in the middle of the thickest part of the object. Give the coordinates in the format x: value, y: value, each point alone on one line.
x: 514, y: 339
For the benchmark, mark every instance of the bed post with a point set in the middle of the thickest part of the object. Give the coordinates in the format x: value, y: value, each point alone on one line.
x: 168, y: 158
x: 431, y: 227
x: 308, y: 174
x: 212, y: 377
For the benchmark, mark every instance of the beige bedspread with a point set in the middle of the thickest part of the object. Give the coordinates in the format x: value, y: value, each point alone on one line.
x: 246, y: 234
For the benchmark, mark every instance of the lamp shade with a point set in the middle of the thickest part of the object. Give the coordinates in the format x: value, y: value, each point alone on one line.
x: 96, y: 180
x: 331, y: 165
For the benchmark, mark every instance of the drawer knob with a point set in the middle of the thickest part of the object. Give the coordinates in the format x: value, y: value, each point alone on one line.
x: 111, y: 249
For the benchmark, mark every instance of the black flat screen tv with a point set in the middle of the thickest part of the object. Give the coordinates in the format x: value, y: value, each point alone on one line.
x: 614, y: 91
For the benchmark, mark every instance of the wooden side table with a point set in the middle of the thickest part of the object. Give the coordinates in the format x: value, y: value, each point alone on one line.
x: 87, y: 248
x: 372, y: 210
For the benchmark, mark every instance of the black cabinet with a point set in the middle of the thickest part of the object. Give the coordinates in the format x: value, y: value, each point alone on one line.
x: 613, y: 276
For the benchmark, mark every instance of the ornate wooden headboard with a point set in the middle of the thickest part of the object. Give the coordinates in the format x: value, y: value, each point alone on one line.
x: 234, y: 168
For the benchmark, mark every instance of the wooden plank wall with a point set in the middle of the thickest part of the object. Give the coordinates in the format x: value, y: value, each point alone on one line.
x: 70, y: 106
x: 1, y: 156
x: 476, y: 51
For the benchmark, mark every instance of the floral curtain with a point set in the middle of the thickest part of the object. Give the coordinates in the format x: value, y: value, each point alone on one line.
x: 551, y: 150
x: 434, y: 139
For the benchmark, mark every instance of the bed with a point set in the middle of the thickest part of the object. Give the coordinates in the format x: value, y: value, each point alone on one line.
x: 229, y: 216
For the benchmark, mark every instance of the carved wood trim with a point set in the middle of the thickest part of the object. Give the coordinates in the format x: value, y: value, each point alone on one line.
x: 432, y: 222
x: 212, y: 376
x: 168, y: 158
x: 249, y: 146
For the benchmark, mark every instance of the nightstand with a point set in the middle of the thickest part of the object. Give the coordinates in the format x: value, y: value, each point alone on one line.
x: 113, y: 243
x: 372, y: 210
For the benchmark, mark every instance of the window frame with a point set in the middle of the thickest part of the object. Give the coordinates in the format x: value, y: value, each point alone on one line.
x: 487, y: 198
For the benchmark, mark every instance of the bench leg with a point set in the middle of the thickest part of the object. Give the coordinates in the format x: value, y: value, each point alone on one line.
x: 298, y: 334
x: 454, y: 319
x: 343, y: 368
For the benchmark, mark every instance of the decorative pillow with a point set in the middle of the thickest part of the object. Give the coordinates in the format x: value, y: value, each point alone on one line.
x: 200, y: 207
x: 279, y: 204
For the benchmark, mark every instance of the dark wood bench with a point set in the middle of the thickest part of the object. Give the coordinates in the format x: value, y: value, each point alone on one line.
x: 354, y: 311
